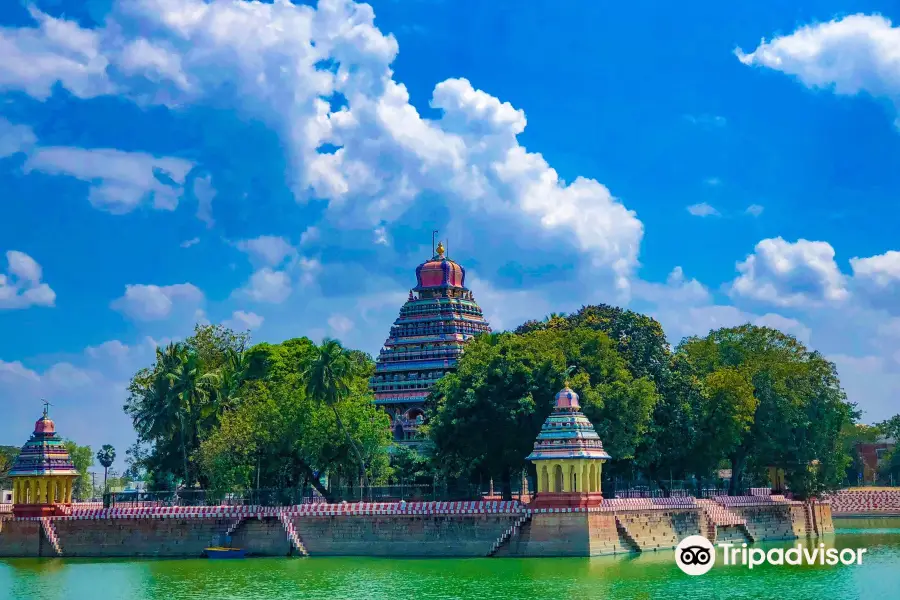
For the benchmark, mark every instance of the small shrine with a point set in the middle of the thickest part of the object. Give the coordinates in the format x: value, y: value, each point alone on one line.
x: 568, y: 455
x: 43, y: 473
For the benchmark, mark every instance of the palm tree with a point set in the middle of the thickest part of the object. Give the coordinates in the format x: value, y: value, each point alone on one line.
x: 106, y: 455
x: 328, y: 380
x: 188, y: 400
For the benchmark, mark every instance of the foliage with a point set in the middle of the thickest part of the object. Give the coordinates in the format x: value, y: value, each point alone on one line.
x: 793, y: 420
x: 638, y: 338
x: 106, y: 455
x: 412, y: 465
x: 486, y: 415
x: 83, y: 459
x: 8, y: 456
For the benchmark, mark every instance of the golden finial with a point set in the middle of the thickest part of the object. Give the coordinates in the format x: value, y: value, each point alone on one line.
x: 440, y: 249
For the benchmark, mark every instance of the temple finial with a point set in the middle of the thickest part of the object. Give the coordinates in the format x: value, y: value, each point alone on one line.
x: 46, y: 407
x: 440, y: 249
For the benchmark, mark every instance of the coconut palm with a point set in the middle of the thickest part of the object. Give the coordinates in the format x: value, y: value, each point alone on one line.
x: 106, y: 455
x: 328, y: 379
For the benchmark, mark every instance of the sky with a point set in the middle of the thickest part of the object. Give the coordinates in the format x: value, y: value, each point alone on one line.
x: 280, y: 167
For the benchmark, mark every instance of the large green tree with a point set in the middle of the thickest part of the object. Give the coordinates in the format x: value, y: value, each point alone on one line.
x: 797, y: 405
x: 485, y: 417
x: 177, y: 402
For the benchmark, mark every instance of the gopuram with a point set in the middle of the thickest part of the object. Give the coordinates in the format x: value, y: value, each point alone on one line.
x: 43, y: 473
x: 438, y: 319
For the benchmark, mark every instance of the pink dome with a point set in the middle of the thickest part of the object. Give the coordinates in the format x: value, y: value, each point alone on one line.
x: 44, y: 425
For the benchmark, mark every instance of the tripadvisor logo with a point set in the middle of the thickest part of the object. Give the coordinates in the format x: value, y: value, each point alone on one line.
x: 696, y: 555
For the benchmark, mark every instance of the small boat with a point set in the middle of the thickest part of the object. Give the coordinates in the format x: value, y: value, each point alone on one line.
x: 219, y: 552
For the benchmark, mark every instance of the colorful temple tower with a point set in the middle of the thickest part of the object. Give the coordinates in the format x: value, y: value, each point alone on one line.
x: 439, y: 318
x: 569, y: 456
x: 43, y: 473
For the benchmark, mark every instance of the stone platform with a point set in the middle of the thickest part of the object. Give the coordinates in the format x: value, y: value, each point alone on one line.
x: 416, y: 529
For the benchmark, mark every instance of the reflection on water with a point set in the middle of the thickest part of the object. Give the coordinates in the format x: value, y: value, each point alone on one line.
x: 649, y: 575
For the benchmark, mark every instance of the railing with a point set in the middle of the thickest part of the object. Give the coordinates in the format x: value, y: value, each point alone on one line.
x: 623, y: 488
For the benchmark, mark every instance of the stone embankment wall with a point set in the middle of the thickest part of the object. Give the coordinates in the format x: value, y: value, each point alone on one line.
x: 421, y: 529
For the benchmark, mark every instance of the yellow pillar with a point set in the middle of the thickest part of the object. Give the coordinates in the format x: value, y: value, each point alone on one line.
x: 34, y: 491
x: 15, y: 491
x: 68, y: 490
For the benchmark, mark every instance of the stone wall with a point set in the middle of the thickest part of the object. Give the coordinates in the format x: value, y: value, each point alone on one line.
x: 261, y: 537
x: 21, y: 538
x: 402, y: 535
x: 773, y: 521
x: 658, y: 529
x: 185, y: 537
x: 559, y: 534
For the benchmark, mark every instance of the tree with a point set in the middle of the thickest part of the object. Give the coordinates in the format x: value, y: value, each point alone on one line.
x: 799, y: 411
x: 83, y: 459
x: 638, y: 338
x: 106, y: 455
x: 8, y: 456
x: 487, y: 414
x: 328, y: 381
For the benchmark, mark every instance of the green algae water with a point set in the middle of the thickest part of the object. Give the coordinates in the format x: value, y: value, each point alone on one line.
x: 649, y: 575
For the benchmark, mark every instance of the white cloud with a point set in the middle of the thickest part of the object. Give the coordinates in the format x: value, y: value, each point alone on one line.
x: 120, y: 181
x: 283, y: 63
x: 310, y: 234
x: 190, y: 242
x: 790, y: 274
x: 56, y: 51
x: 675, y: 289
x: 267, y: 250
x: 204, y: 193
x: 268, y: 285
x: 877, y: 280
x: 153, y: 302
x: 381, y: 236
x: 754, y: 210
x: 21, y: 285
x: 857, y: 53
x: 340, y: 324
x: 15, y: 138
x: 712, y: 181
x: 243, y: 321
x: 702, y: 210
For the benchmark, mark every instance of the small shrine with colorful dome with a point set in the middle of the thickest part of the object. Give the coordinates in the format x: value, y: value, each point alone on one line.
x: 568, y: 456
x: 438, y: 319
x: 43, y: 474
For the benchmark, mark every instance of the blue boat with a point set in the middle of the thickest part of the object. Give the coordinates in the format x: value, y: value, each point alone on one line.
x: 219, y: 552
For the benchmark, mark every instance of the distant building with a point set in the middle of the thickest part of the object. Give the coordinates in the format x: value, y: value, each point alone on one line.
x: 6, y: 496
x: 871, y: 453
x: 439, y: 318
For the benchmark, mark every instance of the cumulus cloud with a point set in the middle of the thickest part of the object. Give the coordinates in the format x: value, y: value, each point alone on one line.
x: 853, y: 54
x: 267, y: 250
x: 877, y: 280
x: 119, y: 181
x: 153, y: 302
x: 21, y: 285
x: 675, y: 289
x: 702, y: 209
x: 268, y: 285
x: 322, y: 77
x: 790, y: 274
x: 243, y: 321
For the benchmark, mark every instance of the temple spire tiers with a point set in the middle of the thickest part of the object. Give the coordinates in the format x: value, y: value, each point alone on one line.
x: 568, y: 456
x: 43, y: 474
x: 439, y: 318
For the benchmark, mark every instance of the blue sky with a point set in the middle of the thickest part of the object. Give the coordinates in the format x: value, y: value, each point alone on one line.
x: 280, y: 168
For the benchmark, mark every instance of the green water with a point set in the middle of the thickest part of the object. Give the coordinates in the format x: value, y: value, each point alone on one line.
x: 650, y: 575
